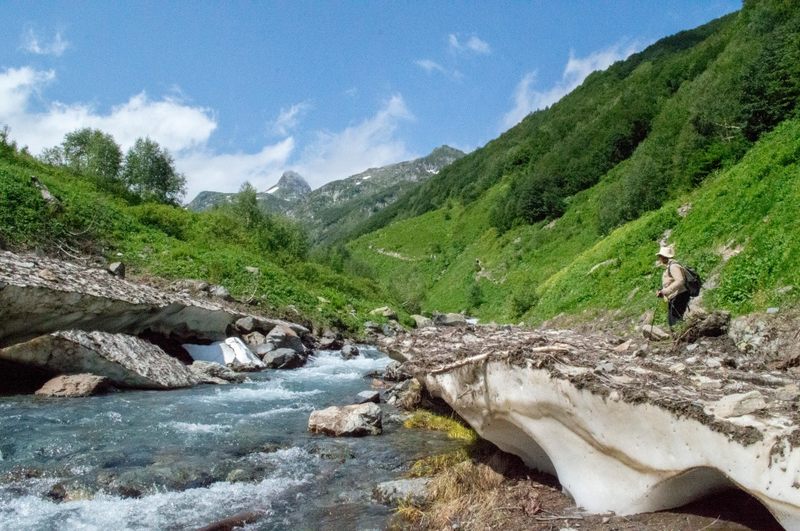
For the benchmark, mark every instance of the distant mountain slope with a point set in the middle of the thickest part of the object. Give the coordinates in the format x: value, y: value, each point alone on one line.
x: 333, y: 210
x: 562, y: 215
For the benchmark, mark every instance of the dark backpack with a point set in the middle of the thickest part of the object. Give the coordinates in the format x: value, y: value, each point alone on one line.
x: 692, y: 280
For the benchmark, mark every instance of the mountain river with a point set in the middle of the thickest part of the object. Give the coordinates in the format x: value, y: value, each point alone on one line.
x: 184, y: 459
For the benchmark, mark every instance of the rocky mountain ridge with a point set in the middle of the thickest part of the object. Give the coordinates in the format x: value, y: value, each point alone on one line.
x: 331, y: 210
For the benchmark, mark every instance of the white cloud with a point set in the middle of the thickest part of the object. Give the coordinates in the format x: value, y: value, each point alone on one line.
x: 527, y: 99
x: 172, y: 123
x: 472, y: 45
x: 370, y: 143
x: 31, y: 43
x: 288, y: 119
x: 430, y: 66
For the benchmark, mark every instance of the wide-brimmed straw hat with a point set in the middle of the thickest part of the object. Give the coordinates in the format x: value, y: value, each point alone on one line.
x: 666, y: 251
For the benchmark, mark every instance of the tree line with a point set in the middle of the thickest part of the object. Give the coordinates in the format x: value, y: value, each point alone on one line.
x: 147, y: 170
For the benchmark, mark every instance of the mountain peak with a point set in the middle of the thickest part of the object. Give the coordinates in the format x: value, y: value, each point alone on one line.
x: 290, y: 187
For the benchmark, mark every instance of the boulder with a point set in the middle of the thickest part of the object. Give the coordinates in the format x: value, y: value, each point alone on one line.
x: 330, y: 341
x: 368, y: 396
x: 421, y: 321
x: 654, y: 333
x: 385, y: 311
x: 253, y: 339
x: 117, y: 269
x: 349, y: 352
x: 264, y: 325
x: 74, y: 385
x: 352, y: 421
x: 284, y: 337
x: 406, y: 395
x: 414, y: 491
x: 214, y: 373
x: 126, y: 361
x: 714, y: 324
x: 284, y: 358
x: 449, y: 319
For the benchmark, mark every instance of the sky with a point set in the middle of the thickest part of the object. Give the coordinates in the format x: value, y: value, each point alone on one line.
x: 243, y: 91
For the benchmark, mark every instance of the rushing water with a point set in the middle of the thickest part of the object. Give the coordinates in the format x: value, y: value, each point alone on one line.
x: 186, y: 458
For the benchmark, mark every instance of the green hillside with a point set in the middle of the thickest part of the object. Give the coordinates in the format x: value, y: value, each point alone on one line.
x: 565, y: 211
x: 97, y: 217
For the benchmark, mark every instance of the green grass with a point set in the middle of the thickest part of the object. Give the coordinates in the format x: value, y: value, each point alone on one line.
x: 173, y: 243
x: 537, y: 272
x: 426, y: 420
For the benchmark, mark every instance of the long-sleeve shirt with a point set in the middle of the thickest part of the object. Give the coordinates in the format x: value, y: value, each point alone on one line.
x: 672, y: 280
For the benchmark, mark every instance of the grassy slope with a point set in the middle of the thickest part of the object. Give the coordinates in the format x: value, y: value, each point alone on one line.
x: 169, y: 242
x: 755, y: 204
x: 541, y: 270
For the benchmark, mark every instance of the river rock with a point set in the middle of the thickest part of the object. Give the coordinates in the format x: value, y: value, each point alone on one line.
x: 74, y: 385
x: 284, y: 337
x: 414, y: 491
x: 353, y: 421
x: 253, y: 339
x: 330, y: 341
x: 406, y: 395
x: 214, y: 373
x: 126, y: 361
x: 368, y: 396
x: 284, y: 358
x: 349, y: 352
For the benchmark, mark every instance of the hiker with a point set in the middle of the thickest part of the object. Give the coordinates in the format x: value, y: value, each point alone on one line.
x: 673, y: 284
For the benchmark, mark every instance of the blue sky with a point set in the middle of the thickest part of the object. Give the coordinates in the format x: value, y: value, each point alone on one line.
x: 245, y: 90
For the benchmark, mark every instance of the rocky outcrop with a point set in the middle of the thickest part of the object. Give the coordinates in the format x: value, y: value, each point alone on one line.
x: 126, y: 361
x: 41, y: 295
x: 623, y: 431
x: 74, y: 385
x: 352, y: 421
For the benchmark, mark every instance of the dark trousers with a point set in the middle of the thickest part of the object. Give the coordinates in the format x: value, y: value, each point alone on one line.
x: 677, y: 307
